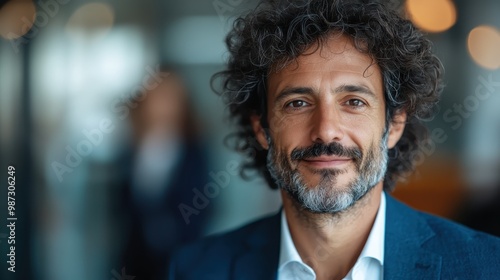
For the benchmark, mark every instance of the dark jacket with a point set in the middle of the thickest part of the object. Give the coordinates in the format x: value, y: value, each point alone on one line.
x: 417, y: 246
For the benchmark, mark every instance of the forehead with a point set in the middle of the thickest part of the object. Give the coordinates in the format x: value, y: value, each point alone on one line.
x: 335, y: 59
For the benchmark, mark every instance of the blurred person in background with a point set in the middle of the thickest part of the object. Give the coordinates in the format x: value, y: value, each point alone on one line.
x: 335, y: 93
x: 165, y: 163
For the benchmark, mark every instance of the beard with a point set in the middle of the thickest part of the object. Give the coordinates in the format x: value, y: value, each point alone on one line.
x: 328, y: 196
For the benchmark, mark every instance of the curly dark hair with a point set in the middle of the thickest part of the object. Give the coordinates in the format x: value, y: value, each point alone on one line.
x: 277, y: 32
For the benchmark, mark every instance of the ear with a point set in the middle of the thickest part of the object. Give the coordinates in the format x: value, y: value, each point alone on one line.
x: 260, y: 133
x: 396, y: 128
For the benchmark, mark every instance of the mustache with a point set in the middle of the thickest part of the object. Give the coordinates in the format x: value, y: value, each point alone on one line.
x: 331, y: 149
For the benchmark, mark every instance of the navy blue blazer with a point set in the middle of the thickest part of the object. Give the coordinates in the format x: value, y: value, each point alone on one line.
x: 417, y: 246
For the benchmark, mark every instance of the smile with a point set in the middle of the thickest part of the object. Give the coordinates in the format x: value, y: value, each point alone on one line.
x: 327, y: 161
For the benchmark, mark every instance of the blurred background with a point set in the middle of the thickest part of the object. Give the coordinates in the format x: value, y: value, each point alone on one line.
x: 117, y: 140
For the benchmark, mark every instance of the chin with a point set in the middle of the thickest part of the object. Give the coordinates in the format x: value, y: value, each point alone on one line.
x: 334, y: 176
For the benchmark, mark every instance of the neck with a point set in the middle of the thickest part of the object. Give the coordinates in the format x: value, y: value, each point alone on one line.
x: 331, y: 243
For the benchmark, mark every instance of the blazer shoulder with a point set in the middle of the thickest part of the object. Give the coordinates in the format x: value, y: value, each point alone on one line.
x: 462, y: 248
x: 213, y: 254
x: 455, y: 233
x: 444, y: 233
x: 451, y: 232
x: 451, y: 248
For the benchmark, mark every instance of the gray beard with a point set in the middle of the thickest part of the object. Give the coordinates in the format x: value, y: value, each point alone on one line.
x: 326, y: 197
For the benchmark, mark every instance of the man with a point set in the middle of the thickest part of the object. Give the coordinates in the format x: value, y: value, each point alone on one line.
x: 334, y: 91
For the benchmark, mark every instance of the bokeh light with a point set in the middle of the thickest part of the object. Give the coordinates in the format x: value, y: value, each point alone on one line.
x: 483, y: 44
x: 16, y: 18
x: 432, y: 15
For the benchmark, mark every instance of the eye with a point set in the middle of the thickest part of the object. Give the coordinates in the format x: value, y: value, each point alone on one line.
x: 297, y: 104
x: 355, y: 103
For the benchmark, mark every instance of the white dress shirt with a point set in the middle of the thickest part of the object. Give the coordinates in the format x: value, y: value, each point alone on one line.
x: 369, y: 265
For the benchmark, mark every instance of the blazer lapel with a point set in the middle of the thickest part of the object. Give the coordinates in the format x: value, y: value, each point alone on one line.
x: 404, y: 254
x: 405, y: 234
x: 259, y: 259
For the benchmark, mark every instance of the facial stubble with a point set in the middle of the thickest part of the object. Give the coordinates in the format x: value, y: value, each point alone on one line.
x: 327, y: 196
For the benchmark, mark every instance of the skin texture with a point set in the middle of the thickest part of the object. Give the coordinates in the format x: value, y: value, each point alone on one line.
x: 331, y: 93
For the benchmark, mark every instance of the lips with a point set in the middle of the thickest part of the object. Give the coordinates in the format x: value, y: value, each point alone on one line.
x: 327, y: 161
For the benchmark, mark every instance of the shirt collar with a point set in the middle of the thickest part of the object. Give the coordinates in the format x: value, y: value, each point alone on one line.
x: 374, y: 246
x: 288, y: 252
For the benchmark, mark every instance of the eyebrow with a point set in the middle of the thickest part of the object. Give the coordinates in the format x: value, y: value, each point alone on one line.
x: 294, y: 90
x: 309, y: 91
x: 354, y: 88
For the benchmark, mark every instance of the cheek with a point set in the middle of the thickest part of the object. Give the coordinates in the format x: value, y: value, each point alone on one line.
x: 372, y: 119
x: 288, y: 132
x: 365, y: 120
x: 285, y: 124
x: 364, y: 132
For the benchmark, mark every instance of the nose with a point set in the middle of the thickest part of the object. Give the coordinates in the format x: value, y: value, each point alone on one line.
x: 326, y: 125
